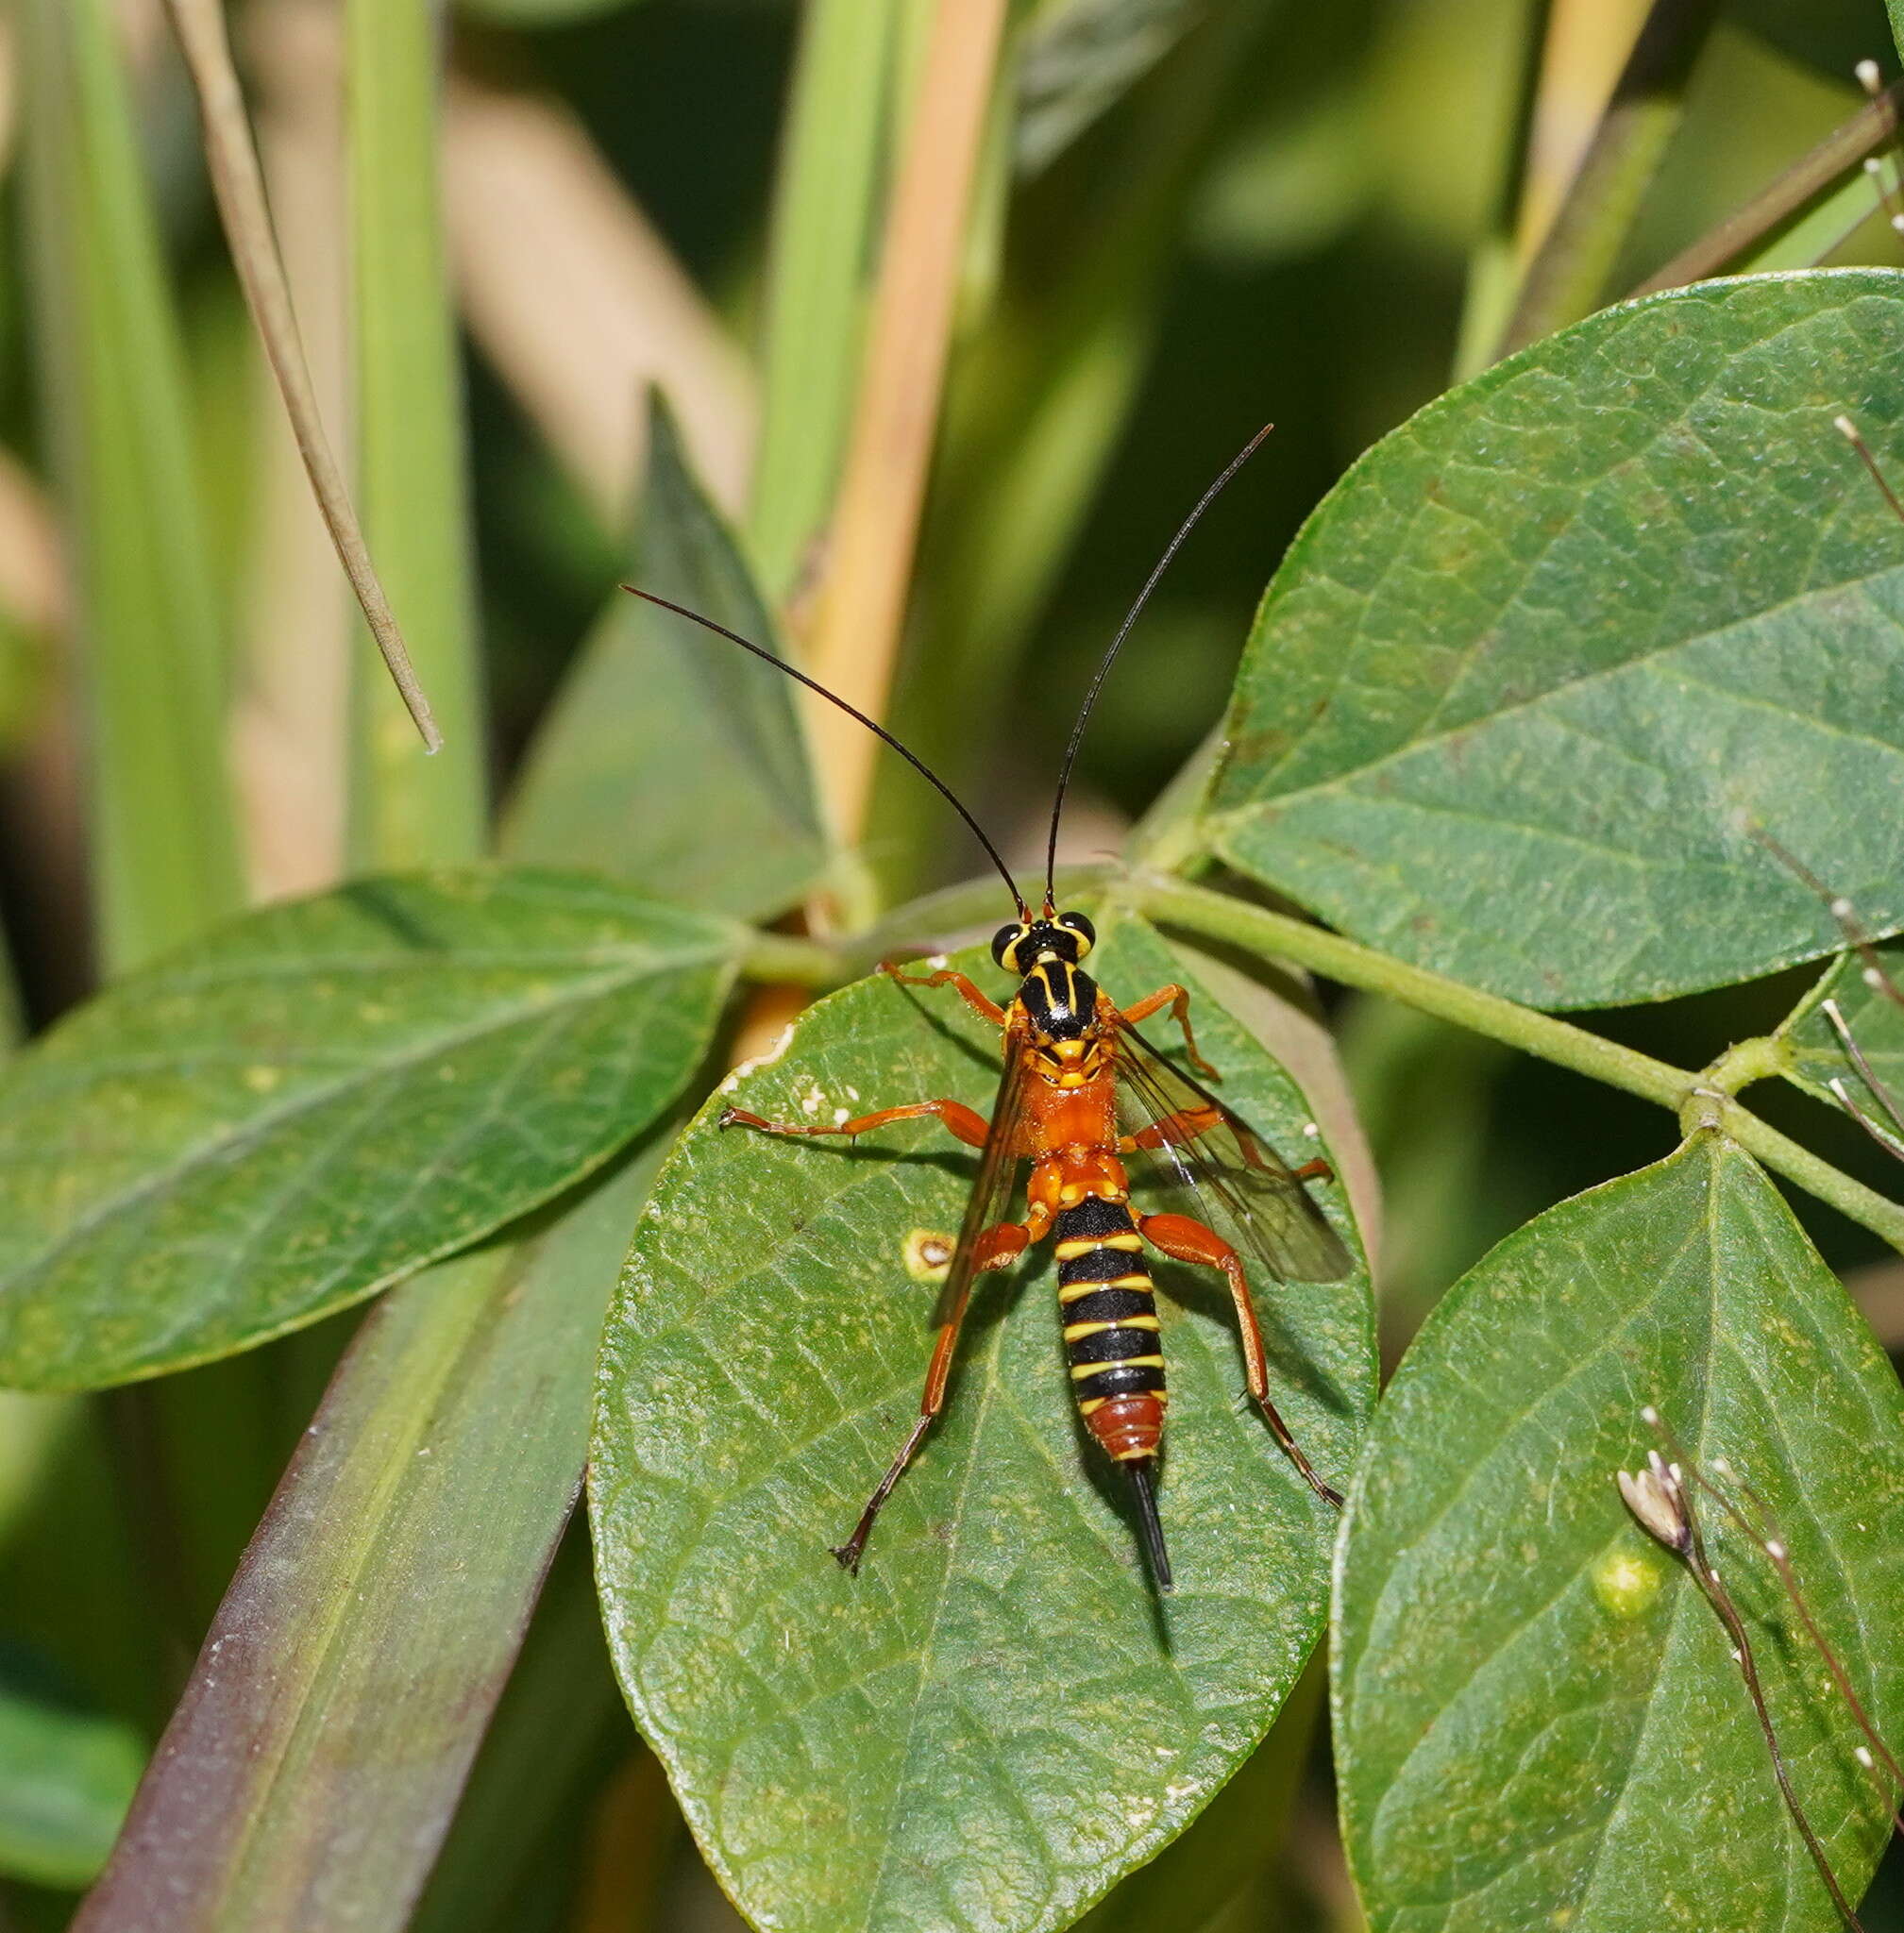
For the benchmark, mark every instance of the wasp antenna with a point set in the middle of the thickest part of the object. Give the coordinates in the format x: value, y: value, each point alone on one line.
x: 1144, y: 1488
x: 879, y: 730
x: 1104, y: 670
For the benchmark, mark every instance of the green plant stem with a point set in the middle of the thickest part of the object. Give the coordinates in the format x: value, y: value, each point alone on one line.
x: 1564, y: 280
x: 1276, y: 935
x: 785, y: 960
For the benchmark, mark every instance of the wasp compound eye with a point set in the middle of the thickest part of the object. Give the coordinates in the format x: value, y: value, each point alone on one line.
x: 1086, y: 932
x: 1004, y: 943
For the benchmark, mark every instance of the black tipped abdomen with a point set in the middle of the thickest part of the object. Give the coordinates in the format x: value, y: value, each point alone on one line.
x: 1110, y: 1326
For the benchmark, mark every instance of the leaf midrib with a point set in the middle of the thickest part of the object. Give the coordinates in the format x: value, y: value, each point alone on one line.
x: 1649, y: 660
x: 262, y: 1125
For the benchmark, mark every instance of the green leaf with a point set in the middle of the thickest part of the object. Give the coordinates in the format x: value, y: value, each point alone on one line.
x: 672, y: 758
x: 409, y: 808
x: 312, y: 1768
x: 1524, y: 674
x: 66, y: 1778
x: 322, y: 1097
x: 160, y: 807
x: 1815, y: 1050
x: 996, y: 1717
x: 1537, y: 1720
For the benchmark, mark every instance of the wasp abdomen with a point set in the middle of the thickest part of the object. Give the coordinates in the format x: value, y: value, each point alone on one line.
x: 1110, y: 1327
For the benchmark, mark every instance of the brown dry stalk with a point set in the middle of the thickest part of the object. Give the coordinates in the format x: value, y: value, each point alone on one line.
x: 860, y: 604
x: 239, y: 185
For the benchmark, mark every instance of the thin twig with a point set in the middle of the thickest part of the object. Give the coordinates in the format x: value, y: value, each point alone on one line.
x: 1842, y: 150
x: 239, y: 185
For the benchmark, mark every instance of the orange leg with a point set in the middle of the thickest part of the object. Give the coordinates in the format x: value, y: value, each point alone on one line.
x: 970, y: 1126
x: 1178, y: 999
x: 998, y: 1247
x: 987, y: 1009
x: 1184, y: 1240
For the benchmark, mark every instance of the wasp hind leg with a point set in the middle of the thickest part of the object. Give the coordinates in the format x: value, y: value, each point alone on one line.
x: 967, y: 1123
x: 999, y: 1248
x: 1184, y: 1240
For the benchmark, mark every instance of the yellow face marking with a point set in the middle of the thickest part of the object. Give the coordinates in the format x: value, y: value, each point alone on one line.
x: 1084, y: 1371
x: 1075, y: 1332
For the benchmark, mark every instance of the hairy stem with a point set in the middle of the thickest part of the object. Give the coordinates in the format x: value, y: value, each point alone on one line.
x: 1276, y: 935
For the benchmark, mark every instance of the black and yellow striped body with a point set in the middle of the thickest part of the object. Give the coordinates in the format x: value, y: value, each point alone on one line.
x: 1109, y: 1310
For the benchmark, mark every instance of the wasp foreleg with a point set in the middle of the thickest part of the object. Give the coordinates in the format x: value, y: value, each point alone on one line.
x: 971, y: 1127
x: 1184, y: 1240
x: 1178, y: 999
x: 999, y: 1246
x: 985, y: 1008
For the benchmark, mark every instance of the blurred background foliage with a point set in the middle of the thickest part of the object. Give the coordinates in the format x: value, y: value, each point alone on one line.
x: 1192, y: 216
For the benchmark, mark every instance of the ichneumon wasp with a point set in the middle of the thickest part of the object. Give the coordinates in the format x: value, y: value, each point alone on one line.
x: 1081, y: 1090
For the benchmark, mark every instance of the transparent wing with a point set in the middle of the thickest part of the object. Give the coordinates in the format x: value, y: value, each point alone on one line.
x: 991, y: 1187
x: 1231, y: 1178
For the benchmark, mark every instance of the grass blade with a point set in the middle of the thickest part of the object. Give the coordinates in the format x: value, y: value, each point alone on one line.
x: 349, y: 1674
x: 830, y: 173
x: 407, y: 808
x: 159, y: 798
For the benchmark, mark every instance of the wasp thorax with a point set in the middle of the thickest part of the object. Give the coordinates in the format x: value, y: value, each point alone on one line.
x: 1019, y: 947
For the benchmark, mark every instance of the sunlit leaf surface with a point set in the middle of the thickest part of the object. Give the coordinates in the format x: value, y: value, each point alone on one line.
x: 1538, y: 658
x: 1538, y: 1722
x: 996, y: 1717
x: 321, y: 1098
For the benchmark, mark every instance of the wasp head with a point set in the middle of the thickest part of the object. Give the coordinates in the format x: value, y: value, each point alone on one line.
x: 1023, y: 944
